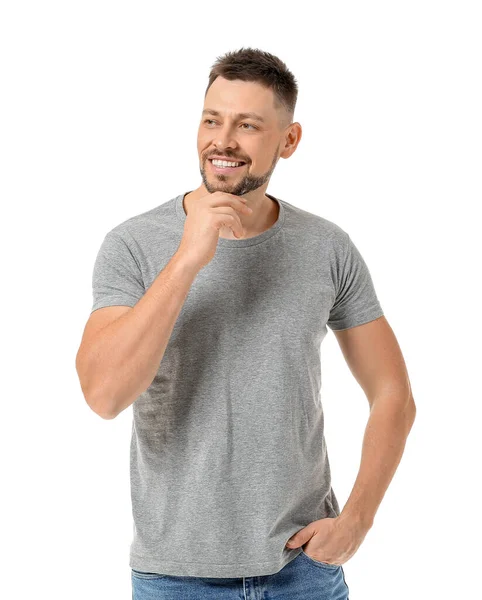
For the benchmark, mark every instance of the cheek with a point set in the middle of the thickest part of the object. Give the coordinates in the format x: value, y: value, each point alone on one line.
x: 203, y: 147
x: 202, y: 142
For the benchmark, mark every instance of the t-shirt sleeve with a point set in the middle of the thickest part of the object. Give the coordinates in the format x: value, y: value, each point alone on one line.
x: 116, y: 278
x: 356, y: 301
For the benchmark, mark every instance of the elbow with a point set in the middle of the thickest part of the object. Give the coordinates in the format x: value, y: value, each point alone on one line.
x: 411, y: 411
x: 100, y: 407
x: 107, y: 416
x: 412, y: 408
x: 96, y: 400
x: 100, y: 403
x: 102, y: 411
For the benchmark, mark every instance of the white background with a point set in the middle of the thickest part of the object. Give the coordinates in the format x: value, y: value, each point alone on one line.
x: 100, y: 104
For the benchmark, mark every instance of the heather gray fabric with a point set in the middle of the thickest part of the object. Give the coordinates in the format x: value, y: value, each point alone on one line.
x: 228, y: 455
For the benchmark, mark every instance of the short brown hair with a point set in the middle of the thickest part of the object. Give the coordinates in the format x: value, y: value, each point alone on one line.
x: 251, y: 64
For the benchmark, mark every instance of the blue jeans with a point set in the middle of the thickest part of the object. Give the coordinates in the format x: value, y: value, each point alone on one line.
x: 303, y: 578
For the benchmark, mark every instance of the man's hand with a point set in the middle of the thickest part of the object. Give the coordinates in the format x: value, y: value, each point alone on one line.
x: 330, y: 540
x: 204, y: 220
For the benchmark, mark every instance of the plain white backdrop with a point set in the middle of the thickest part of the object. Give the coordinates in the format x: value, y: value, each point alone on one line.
x: 100, y: 104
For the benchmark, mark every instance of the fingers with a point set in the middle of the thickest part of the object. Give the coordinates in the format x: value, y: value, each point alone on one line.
x: 228, y: 217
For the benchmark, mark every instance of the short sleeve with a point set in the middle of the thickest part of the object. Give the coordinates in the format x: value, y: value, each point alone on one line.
x: 356, y: 301
x: 116, y: 278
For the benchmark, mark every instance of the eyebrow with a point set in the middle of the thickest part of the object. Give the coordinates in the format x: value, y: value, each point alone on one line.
x: 244, y: 115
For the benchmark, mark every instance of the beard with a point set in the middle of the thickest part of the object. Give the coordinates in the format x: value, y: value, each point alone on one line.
x: 247, y: 183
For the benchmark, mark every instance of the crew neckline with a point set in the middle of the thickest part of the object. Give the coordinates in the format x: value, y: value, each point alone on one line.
x: 241, y: 243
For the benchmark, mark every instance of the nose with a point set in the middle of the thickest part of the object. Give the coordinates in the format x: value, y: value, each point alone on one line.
x: 221, y: 145
x: 225, y: 139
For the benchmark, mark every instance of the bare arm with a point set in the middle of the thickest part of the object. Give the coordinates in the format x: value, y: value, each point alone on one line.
x: 375, y: 359
x: 122, y: 346
x: 119, y: 361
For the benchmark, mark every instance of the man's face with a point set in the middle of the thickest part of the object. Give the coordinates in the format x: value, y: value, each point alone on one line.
x: 246, y: 139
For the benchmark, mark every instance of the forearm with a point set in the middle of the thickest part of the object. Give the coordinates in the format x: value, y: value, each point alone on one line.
x: 390, y: 421
x: 125, y: 356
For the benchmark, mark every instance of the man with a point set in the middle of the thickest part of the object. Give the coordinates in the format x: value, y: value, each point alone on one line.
x: 208, y: 315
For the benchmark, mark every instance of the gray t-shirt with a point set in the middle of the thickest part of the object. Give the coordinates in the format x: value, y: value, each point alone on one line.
x: 228, y: 457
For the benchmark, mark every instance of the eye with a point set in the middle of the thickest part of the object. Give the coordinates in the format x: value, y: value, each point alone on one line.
x: 213, y: 121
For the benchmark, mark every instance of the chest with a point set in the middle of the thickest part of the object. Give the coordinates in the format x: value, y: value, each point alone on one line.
x: 257, y: 302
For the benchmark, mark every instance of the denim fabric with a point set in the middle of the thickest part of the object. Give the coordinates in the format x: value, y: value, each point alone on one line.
x: 303, y: 578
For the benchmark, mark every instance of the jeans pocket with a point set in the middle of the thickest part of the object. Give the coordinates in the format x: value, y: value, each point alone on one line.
x: 145, y: 575
x: 319, y: 562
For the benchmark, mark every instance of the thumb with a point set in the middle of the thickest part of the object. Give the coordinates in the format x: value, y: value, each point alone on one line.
x: 300, y: 537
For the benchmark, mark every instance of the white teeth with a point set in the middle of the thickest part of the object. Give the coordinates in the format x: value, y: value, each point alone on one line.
x: 225, y: 163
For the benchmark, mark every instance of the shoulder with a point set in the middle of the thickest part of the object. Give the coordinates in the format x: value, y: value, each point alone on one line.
x: 148, y: 224
x: 320, y: 229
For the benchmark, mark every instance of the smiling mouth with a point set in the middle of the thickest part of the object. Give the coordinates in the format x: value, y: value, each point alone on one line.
x: 231, y: 160
x: 217, y: 169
